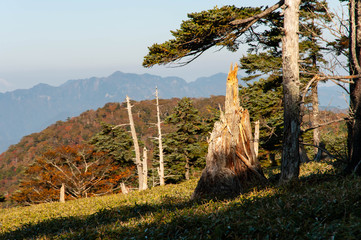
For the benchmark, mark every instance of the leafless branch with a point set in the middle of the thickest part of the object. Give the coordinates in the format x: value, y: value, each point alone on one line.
x: 327, y: 123
x: 340, y: 85
x: 323, y: 150
x: 120, y: 125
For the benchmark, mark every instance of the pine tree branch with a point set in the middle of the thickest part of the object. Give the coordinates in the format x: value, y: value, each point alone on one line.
x: 256, y: 17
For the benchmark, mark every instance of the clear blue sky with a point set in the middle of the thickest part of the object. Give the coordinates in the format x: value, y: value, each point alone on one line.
x: 52, y: 41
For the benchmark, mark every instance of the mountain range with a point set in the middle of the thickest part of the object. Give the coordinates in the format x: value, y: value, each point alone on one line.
x: 26, y: 111
x: 30, y: 110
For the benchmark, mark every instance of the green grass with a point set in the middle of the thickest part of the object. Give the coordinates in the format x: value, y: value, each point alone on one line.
x: 321, y: 205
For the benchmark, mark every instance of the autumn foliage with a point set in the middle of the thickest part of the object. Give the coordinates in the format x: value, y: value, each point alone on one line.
x: 77, y: 130
x: 84, y: 171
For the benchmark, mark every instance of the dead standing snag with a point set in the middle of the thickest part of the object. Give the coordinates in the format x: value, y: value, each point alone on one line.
x: 231, y: 163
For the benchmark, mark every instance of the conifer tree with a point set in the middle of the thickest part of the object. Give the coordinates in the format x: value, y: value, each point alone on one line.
x: 264, y: 101
x: 116, y: 142
x: 185, y: 148
x: 224, y: 27
x: 264, y: 59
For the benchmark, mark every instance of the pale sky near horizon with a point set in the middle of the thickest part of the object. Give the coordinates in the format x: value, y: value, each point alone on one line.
x: 52, y: 41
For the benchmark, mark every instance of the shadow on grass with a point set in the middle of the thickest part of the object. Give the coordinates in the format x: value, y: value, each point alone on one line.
x: 59, y: 226
x: 309, y: 208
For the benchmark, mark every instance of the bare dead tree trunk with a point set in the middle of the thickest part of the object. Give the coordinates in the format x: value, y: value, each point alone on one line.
x: 315, y: 116
x: 187, y: 169
x: 145, y: 168
x: 231, y: 163
x: 291, y: 91
x: 160, y: 145
x: 136, y: 145
x: 256, y: 138
x: 62, y: 193
x: 124, y: 188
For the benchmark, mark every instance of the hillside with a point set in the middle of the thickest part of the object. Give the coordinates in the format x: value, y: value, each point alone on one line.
x: 321, y: 205
x: 83, y: 127
x: 27, y: 111
x: 31, y: 110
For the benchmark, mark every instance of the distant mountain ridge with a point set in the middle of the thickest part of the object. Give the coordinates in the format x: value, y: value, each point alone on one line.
x: 30, y: 110
x: 26, y: 111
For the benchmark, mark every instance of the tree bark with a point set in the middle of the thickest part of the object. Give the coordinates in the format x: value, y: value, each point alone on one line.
x: 62, y: 193
x: 145, y: 168
x: 136, y: 145
x: 354, y: 125
x: 315, y: 116
x: 291, y: 83
x: 160, y: 145
x: 187, y: 169
x: 124, y: 188
x: 231, y: 163
x: 256, y: 137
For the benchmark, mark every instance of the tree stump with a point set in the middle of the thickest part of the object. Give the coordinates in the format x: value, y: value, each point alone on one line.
x: 62, y: 193
x: 231, y: 163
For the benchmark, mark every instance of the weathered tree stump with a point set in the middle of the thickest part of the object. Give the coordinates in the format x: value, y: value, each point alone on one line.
x: 62, y: 193
x: 231, y: 163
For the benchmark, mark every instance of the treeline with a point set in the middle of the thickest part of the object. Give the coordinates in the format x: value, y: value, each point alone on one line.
x: 77, y: 132
x: 93, y: 154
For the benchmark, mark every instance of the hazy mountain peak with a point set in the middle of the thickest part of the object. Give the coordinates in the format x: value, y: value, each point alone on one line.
x: 30, y: 110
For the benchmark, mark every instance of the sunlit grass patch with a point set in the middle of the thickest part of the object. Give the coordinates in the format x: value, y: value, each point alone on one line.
x: 321, y: 205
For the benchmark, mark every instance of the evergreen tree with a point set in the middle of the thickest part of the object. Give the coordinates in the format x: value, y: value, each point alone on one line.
x: 265, y: 104
x: 116, y: 142
x: 224, y: 27
x: 185, y: 148
x: 264, y: 99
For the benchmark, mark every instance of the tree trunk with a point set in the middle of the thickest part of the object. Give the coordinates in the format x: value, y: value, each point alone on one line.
x: 231, y: 163
x: 145, y: 168
x: 303, y: 154
x: 160, y: 146
x: 187, y: 169
x: 291, y: 91
x: 124, y: 188
x: 136, y: 145
x: 315, y: 116
x: 354, y: 126
x: 62, y: 193
x: 256, y: 138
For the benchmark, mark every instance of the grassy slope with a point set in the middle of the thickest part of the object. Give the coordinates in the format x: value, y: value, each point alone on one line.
x: 320, y: 206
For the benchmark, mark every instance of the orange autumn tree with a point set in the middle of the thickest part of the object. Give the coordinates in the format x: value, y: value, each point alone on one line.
x: 84, y: 171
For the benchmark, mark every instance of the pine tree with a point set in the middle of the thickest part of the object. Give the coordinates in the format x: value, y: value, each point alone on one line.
x: 185, y: 148
x: 116, y: 142
x: 264, y: 101
x: 224, y: 27
x: 265, y: 59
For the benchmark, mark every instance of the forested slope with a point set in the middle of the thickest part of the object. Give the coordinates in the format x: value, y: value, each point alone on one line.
x: 81, y: 128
